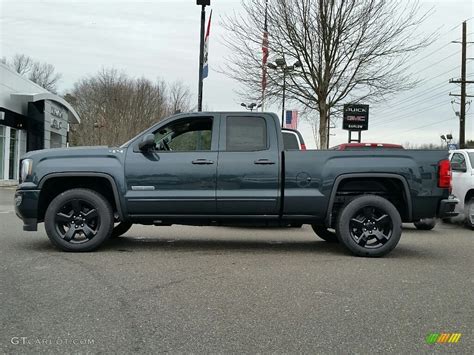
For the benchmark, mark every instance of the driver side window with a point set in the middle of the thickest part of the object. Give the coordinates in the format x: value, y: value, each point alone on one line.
x: 186, y: 135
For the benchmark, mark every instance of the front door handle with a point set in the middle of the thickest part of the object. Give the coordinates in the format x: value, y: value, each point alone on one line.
x: 264, y: 162
x: 203, y: 162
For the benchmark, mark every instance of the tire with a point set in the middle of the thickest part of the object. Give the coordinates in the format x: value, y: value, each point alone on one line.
x: 120, y: 229
x: 369, y: 226
x: 425, y: 224
x: 325, y: 234
x: 296, y: 225
x: 79, y: 220
x: 469, y: 213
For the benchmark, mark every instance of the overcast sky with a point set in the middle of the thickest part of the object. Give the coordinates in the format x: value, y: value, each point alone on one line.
x: 161, y: 39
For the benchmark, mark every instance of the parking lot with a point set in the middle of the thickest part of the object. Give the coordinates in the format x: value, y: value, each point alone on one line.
x: 216, y: 289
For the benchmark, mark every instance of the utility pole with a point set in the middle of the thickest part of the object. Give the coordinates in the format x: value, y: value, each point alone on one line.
x: 463, y: 82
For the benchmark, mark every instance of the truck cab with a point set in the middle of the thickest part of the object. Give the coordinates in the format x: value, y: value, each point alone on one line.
x: 462, y: 165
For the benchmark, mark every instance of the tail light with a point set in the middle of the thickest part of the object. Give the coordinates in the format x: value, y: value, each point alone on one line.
x: 303, y: 147
x: 444, y: 174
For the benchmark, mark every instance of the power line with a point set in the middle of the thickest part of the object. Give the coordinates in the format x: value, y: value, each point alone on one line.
x: 419, y: 127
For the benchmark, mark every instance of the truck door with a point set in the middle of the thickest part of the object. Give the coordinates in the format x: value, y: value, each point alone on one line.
x: 179, y: 175
x: 248, y: 171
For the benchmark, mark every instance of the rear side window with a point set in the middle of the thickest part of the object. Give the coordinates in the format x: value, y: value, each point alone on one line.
x: 290, y: 141
x: 246, y: 134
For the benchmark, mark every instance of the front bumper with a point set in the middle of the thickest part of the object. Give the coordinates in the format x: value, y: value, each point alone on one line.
x: 26, y: 208
x: 447, y: 208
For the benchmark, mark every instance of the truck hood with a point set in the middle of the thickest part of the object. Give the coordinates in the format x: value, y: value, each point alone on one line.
x: 74, y: 152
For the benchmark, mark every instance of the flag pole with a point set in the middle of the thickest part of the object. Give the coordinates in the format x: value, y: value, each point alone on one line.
x: 201, y: 56
x: 265, y: 55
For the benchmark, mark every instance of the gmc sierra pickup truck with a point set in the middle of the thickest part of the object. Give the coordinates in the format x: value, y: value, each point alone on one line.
x: 219, y: 168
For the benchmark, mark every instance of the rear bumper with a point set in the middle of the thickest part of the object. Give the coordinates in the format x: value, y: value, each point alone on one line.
x: 26, y: 208
x: 447, y: 208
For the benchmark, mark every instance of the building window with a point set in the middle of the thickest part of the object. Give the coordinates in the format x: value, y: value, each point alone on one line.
x: 13, y: 156
x: 2, y: 151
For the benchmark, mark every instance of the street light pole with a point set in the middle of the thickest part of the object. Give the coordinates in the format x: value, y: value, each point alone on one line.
x: 203, y: 4
x: 283, y: 100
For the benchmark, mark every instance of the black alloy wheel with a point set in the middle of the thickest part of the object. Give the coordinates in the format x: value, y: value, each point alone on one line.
x: 369, y: 226
x: 79, y: 220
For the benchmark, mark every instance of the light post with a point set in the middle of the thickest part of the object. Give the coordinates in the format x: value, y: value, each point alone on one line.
x: 448, y: 138
x: 203, y: 4
x: 251, y: 106
x: 280, y: 63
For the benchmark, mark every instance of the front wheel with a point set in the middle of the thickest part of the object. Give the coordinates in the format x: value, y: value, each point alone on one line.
x: 369, y: 226
x: 121, y: 229
x: 79, y: 220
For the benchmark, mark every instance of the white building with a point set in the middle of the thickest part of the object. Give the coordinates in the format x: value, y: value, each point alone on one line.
x: 31, y: 118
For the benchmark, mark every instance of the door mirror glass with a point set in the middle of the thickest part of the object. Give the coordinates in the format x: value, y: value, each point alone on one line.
x: 147, y: 143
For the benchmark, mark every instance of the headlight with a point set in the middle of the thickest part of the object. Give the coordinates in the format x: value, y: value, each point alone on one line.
x: 26, y: 169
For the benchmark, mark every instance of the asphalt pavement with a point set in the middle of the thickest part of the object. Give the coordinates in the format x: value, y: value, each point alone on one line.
x: 183, y: 289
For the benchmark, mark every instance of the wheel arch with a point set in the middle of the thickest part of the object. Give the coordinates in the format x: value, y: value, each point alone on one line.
x: 53, y: 184
x: 380, y: 177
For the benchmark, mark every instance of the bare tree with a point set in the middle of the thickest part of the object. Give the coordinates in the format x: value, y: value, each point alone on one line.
x: 350, y: 51
x: 179, y: 97
x: 114, y: 108
x: 40, y: 73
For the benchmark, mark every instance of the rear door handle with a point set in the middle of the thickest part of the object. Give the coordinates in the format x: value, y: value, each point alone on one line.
x: 264, y: 162
x: 203, y: 162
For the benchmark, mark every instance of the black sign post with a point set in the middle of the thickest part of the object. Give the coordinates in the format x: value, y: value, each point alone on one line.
x: 355, y: 119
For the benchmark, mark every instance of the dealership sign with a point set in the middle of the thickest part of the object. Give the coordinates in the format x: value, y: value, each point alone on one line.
x: 356, y: 117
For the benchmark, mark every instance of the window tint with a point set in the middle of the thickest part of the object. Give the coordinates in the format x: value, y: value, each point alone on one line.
x: 185, y: 135
x: 246, y: 134
x: 458, y: 161
x: 290, y: 141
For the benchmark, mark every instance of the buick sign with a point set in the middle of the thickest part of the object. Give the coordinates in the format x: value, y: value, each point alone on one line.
x: 356, y: 117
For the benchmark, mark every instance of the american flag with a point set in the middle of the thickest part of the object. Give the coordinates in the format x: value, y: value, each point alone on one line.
x: 205, y: 68
x: 265, y: 51
x: 291, y: 119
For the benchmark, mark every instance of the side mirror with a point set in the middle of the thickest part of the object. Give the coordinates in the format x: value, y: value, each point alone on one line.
x: 455, y: 166
x: 147, y: 143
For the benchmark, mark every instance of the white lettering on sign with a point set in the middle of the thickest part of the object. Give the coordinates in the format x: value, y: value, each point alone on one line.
x: 56, y: 112
x: 56, y: 124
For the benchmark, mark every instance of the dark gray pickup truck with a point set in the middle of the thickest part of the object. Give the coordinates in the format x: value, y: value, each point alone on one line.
x: 220, y: 168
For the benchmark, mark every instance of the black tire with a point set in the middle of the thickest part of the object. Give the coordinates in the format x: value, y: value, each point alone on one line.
x: 120, y: 229
x: 425, y: 224
x: 325, y: 234
x: 369, y: 226
x: 79, y: 220
x: 469, y: 213
x: 296, y: 225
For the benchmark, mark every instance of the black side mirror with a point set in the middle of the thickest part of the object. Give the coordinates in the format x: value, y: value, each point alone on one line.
x: 455, y: 166
x: 147, y: 143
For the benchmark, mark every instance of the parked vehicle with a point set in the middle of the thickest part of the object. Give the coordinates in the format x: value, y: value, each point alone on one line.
x: 292, y: 139
x: 358, y: 146
x: 212, y: 168
x: 462, y: 162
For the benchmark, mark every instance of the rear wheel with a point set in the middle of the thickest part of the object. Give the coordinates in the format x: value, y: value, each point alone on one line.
x: 369, y: 226
x: 425, y: 224
x: 469, y: 213
x: 78, y: 220
x: 325, y: 234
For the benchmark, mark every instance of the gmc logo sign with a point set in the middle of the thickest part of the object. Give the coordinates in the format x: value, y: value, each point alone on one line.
x: 356, y: 117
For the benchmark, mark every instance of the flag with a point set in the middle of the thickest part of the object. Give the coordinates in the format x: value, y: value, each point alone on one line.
x: 265, y: 51
x: 291, y: 120
x: 205, y: 67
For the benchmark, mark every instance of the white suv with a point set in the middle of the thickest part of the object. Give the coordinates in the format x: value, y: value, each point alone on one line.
x: 462, y: 165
